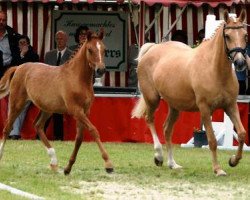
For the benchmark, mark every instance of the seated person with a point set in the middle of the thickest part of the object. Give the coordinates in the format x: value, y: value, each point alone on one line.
x: 27, y: 54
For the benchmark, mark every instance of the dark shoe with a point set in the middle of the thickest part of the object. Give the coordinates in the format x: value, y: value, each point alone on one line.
x: 14, y: 137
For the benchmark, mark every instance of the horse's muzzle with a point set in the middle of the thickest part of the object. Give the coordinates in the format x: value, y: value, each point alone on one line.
x: 240, y: 65
x: 99, y: 72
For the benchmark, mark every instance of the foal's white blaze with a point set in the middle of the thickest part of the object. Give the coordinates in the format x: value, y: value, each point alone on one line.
x: 98, y: 46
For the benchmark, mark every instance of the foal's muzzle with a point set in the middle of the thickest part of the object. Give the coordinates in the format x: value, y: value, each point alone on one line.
x: 99, y: 72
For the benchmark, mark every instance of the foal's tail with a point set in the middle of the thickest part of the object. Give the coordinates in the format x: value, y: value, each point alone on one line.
x: 144, y: 50
x: 5, y: 82
x: 139, y: 110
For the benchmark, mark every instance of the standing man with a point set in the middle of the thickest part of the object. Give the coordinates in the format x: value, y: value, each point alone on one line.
x: 9, y: 51
x: 57, y: 57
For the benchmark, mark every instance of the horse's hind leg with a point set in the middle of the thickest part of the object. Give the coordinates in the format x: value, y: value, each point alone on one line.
x: 168, y: 130
x: 234, y: 115
x: 158, y: 157
x: 39, y: 125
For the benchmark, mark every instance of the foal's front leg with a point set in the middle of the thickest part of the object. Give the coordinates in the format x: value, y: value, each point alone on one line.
x: 83, y: 122
x: 94, y: 133
x: 234, y: 115
x: 78, y: 142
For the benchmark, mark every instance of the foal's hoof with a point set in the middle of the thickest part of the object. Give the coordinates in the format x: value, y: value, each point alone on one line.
x: 66, y: 172
x: 158, y: 163
x: 232, y: 161
x: 54, y: 167
x: 109, y: 170
x: 221, y: 173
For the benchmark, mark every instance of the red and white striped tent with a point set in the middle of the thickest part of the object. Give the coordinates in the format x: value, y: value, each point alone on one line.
x: 33, y: 18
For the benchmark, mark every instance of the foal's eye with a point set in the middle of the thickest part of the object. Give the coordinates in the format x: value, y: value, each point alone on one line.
x: 90, y: 51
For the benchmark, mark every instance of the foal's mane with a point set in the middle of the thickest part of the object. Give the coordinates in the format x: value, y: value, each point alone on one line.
x: 80, y: 46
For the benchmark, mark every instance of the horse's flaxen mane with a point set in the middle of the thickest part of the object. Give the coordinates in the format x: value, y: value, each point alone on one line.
x: 221, y: 23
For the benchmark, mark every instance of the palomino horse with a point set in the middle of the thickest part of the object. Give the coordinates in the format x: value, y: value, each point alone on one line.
x: 65, y: 89
x: 199, y: 79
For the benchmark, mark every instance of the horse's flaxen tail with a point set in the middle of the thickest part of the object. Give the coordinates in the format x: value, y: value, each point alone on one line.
x: 144, y: 50
x: 5, y: 82
x: 139, y: 110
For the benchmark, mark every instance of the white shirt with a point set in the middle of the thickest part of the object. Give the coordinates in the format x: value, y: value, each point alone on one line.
x: 5, y: 48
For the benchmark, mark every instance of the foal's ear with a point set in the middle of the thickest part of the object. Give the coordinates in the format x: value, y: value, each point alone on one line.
x: 101, y: 34
x: 226, y: 16
x: 242, y: 16
x: 89, y: 34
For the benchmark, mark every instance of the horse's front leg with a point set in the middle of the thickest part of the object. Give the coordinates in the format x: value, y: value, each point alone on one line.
x: 234, y: 115
x: 78, y: 142
x: 212, y: 142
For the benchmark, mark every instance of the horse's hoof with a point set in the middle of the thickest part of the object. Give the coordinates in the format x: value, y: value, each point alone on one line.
x: 232, y: 162
x: 158, y: 163
x: 175, y: 166
x: 54, y: 167
x: 109, y: 170
x: 221, y: 173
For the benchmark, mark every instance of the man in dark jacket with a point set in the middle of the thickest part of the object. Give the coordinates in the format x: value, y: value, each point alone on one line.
x: 9, y: 50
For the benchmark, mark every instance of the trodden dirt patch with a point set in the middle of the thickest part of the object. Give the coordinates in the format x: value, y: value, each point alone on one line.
x: 157, y: 191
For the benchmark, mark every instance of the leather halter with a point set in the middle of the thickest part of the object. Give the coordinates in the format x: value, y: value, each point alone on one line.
x: 236, y: 49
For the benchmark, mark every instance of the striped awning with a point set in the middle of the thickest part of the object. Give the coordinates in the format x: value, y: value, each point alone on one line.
x: 181, y: 3
x: 198, y: 3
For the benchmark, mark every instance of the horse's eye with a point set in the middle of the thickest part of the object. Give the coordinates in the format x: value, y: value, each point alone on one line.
x: 227, y: 37
x: 246, y: 37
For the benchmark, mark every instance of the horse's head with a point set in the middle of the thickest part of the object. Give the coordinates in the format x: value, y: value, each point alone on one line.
x: 235, y: 37
x: 95, y: 52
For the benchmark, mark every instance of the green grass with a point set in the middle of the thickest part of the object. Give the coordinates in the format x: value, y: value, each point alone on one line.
x: 25, y: 165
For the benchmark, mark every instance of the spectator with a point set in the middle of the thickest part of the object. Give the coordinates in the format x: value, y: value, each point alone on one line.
x: 27, y: 54
x: 80, y: 37
x: 132, y: 62
x: 201, y: 36
x: 57, y: 57
x: 9, y: 51
x: 248, y: 70
x: 180, y: 36
x: 242, y: 77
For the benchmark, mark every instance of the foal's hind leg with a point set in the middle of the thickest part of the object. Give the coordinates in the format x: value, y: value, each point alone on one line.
x: 39, y: 125
x: 15, y: 109
x: 234, y: 115
x: 168, y: 130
